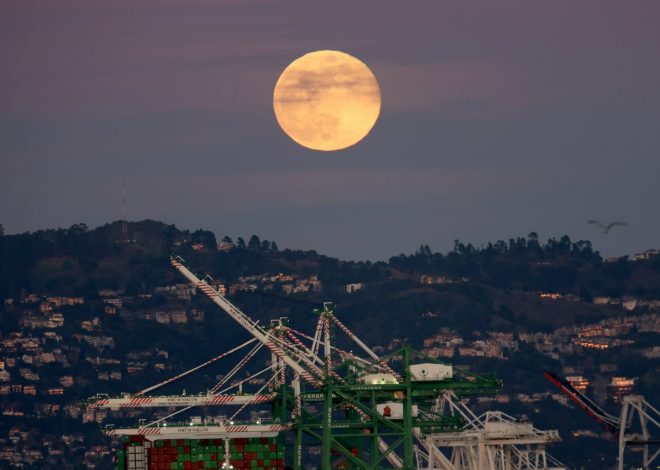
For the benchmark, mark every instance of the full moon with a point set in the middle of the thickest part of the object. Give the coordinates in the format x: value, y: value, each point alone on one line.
x: 327, y: 100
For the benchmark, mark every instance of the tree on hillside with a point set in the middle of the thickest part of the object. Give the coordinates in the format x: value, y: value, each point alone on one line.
x: 2, y: 230
x: 254, y: 244
x: 204, y: 237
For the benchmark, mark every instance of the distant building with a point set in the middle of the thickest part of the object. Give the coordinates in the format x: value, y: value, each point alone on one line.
x: 197, y: 315
x: 350, y: 288
x: 31, y: 299
x: 66, y: 381
x: 67, y: 301
x: 115, y: 301
x: 163, y: 317
x: 430, y: 280
x: 648, y: 254
x: 621, y: 386
x: 579, y: 382
x: 225, y: 246
x: 108, y: 293
x: 550, y: 295
x: 178, y: 316
x: 110, y: 310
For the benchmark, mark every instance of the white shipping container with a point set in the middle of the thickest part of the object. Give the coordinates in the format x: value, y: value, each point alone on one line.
x: 378, y: 379
x: 430, y: 372
x: 394, y: 410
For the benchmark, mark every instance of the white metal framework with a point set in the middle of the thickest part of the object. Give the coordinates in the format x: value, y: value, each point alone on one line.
x: 638, y: 420
x: 491, y: 441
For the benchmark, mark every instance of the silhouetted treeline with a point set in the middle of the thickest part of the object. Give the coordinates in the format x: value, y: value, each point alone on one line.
x: 133, y: 257
x: 559, y: 265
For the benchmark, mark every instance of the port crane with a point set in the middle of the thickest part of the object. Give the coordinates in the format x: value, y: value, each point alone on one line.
x: 634, y: 426
x: 358, y: 409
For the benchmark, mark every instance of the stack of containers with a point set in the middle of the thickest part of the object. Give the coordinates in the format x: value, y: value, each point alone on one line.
x: 133, y: 454
x: 258, y: 453
x: 190, y: 454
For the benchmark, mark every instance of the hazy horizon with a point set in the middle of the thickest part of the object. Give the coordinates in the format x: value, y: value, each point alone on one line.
x: 497, y: 120
x: 407, y: 251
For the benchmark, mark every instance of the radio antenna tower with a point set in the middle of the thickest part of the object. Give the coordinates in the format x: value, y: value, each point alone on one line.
x: 124, y: 216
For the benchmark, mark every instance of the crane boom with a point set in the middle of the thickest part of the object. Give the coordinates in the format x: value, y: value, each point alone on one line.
x: 609, y: 422
x: 209, y: 399
x: 221, y: 430
x: 242, y: 319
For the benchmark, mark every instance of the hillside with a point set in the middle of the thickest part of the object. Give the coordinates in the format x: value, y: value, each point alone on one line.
x: 512, y: 308
x: 495, y: 287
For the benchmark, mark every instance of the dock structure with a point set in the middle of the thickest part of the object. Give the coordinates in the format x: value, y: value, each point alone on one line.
x: 362, y: 411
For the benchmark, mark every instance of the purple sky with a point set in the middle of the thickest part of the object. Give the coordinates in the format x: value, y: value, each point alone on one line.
x: 498, y: 119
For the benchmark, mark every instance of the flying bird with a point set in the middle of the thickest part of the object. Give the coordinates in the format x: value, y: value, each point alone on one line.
x: 606, y: 228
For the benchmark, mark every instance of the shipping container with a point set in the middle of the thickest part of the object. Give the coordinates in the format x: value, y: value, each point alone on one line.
x: 136, y: 453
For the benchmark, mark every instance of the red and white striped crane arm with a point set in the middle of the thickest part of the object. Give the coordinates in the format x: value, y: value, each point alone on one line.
x: 178, y: 400
x: 242, y: 319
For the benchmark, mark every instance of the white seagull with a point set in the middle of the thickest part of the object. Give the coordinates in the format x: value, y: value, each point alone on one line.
x: 606, y: 228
